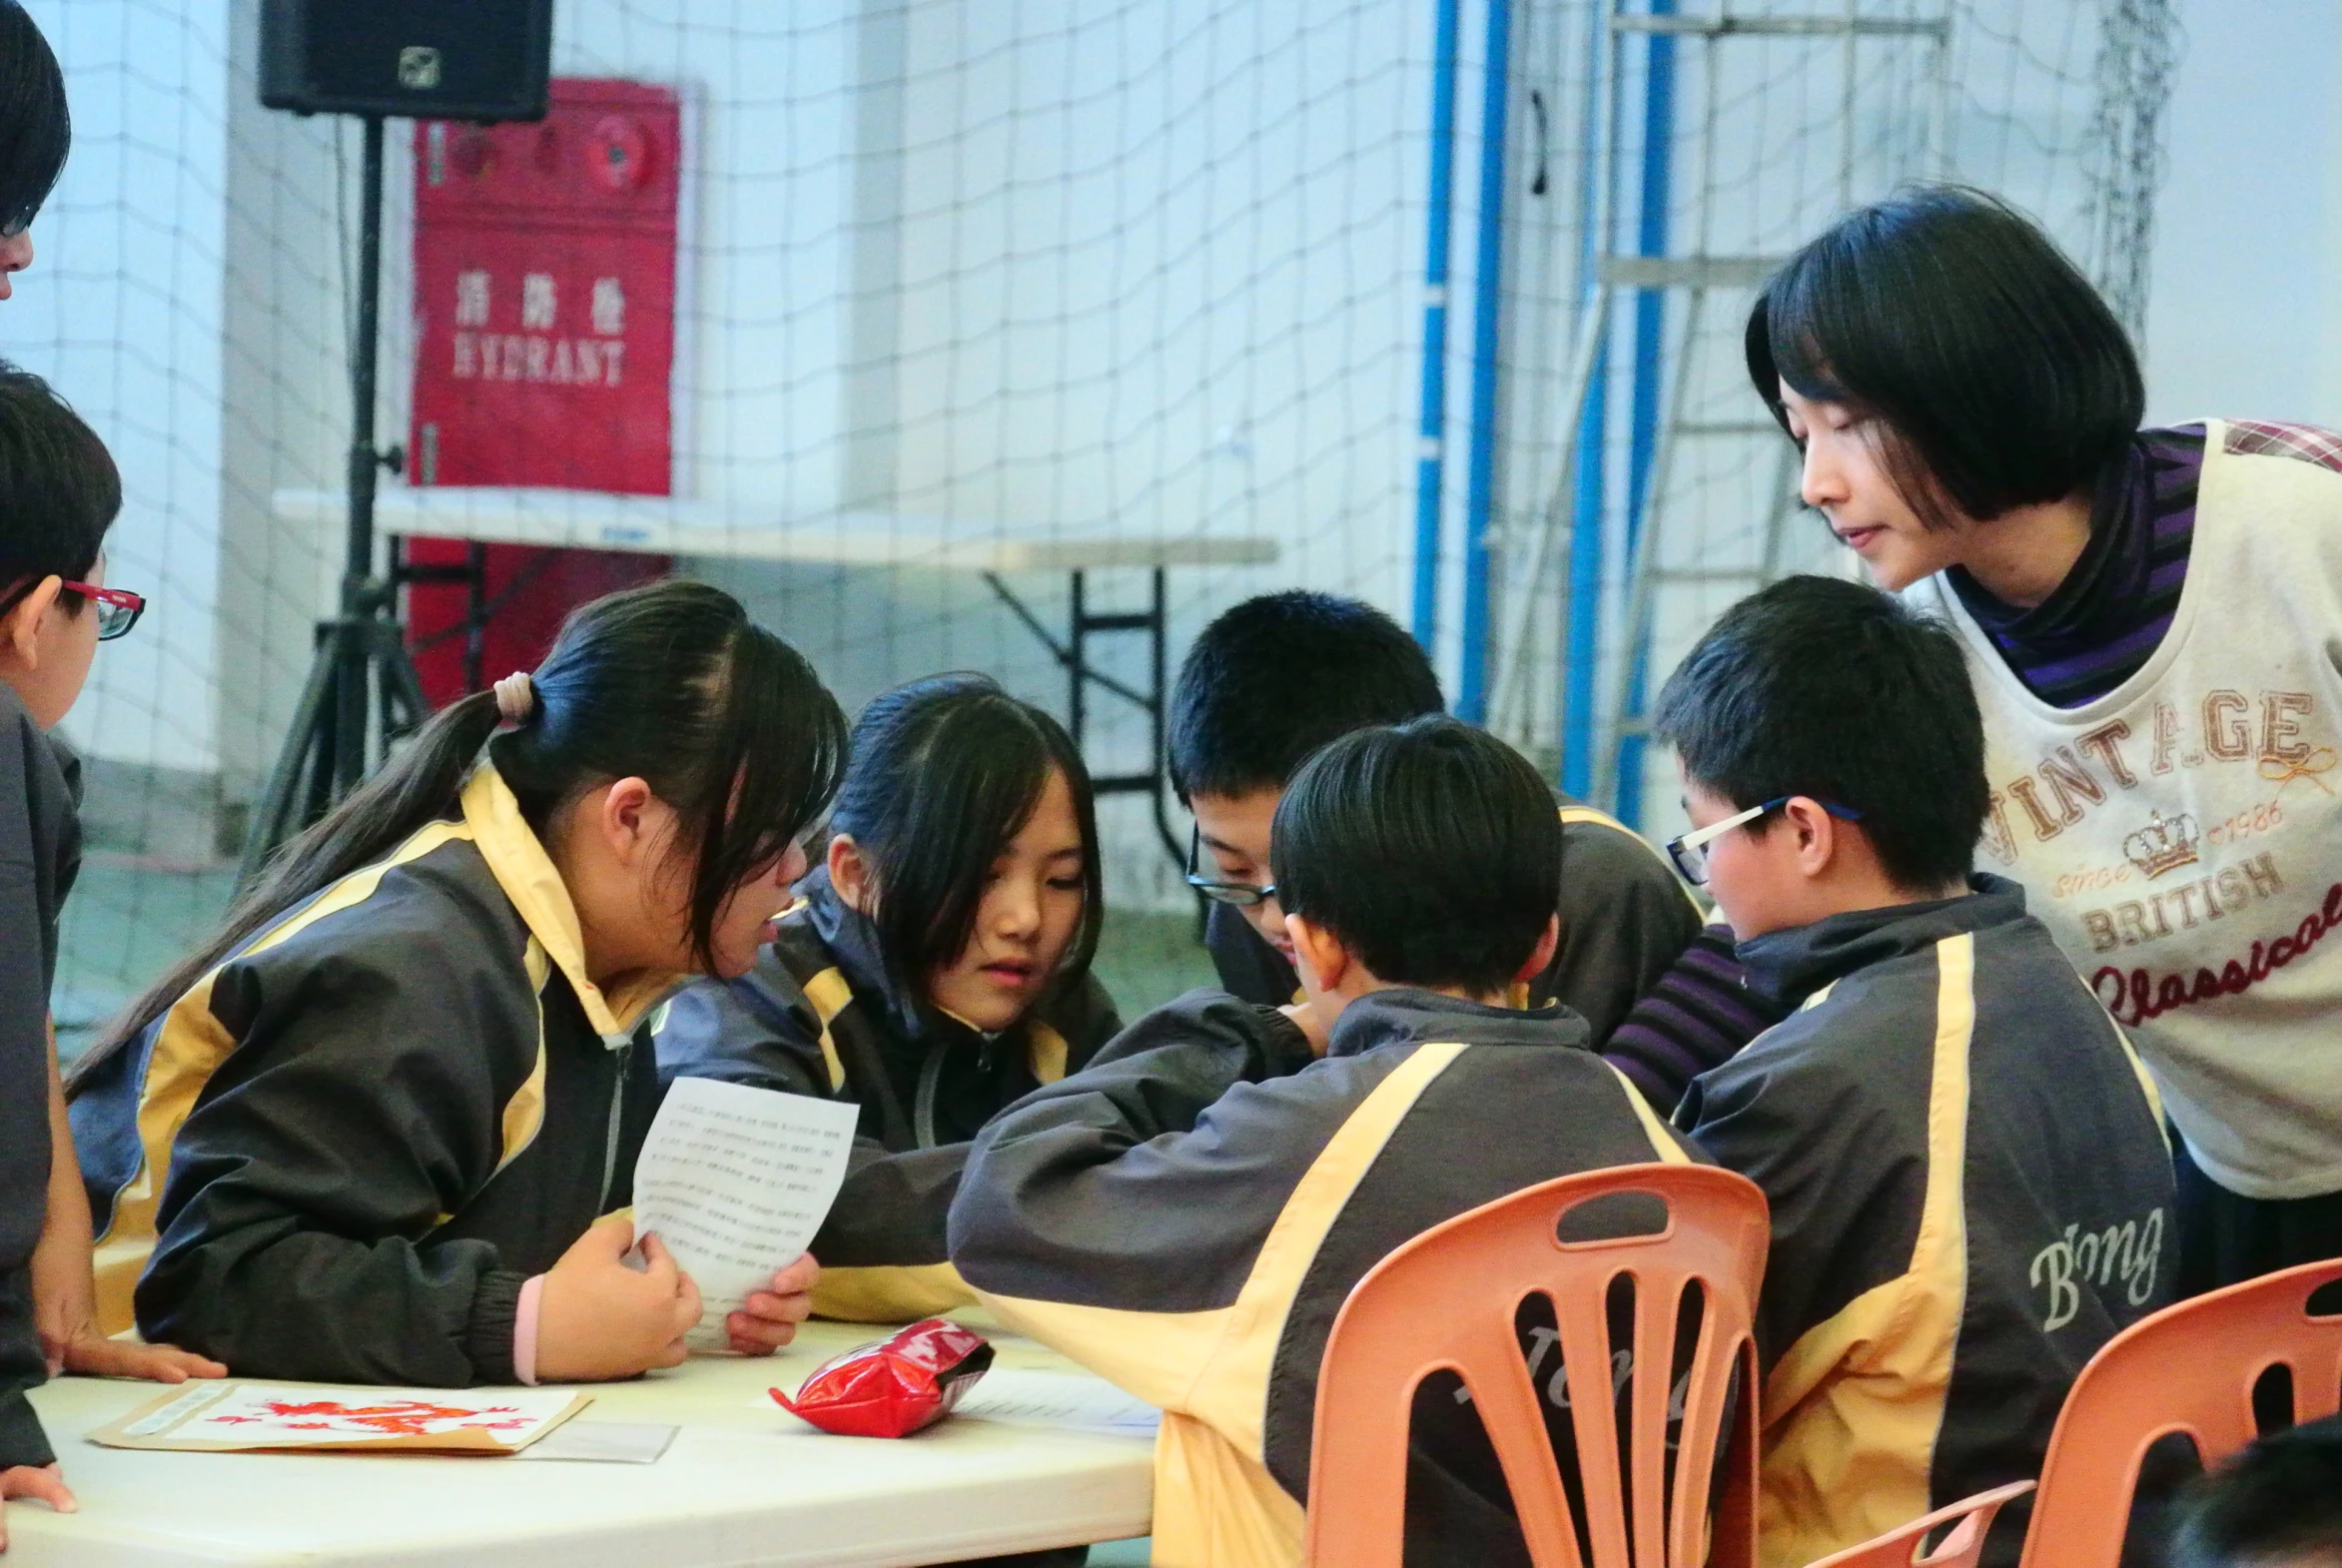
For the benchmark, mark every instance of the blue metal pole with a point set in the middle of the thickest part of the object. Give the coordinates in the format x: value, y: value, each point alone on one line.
x: 1589, y: 486
x: 1650, y: 343
x: 1430, y: 458
x: 1471, y: 703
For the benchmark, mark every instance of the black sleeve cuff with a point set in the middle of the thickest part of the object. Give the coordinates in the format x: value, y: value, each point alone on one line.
x: 1284, y: 1049
x: 488, y: 1338
x: 22, y: 1441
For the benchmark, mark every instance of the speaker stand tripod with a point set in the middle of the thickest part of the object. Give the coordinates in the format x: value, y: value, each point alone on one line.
x: 361, y: 686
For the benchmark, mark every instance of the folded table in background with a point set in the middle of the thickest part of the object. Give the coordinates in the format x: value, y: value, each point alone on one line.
x: 742, y: 1483
x: 672, y: 526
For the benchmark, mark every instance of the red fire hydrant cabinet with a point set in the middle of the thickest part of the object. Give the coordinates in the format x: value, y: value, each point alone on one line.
x: 544, y: 315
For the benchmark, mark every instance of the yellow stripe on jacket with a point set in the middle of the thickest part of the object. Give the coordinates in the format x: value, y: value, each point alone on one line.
x: 189, y: 1046
x: 1215, y: 1504
x: 1852, y: 1409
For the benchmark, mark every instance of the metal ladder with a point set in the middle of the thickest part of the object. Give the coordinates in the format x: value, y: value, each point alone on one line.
x: 1688, y: 286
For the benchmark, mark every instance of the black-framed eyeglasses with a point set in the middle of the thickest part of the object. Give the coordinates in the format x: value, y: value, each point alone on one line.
x: 118, y: 608
x: 1690, y: 852
x: 1244, y: 895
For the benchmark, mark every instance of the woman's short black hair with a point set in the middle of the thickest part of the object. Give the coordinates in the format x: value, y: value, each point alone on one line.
x: 1831, y: 689
x: 1275, y: 677
x: 1994, y: 374
x: 59, y: 488
x: 943, y: 773
x: 1431, y: 850
x: 35, y: 129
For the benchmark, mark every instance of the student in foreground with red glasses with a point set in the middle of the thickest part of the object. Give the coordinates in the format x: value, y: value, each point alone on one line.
x: 59, y: 493
x: 1969, y: 1188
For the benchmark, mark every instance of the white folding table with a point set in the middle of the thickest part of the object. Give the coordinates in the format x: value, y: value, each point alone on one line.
x: 665, y: 525
x: 743, y: 1484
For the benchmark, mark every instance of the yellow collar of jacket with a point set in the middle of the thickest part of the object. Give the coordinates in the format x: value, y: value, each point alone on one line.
x: 532, y: 880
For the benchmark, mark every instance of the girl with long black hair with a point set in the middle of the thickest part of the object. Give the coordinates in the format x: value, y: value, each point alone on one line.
x: 2151, y: 620
x: 367, y: 1131
x: 937, y: 971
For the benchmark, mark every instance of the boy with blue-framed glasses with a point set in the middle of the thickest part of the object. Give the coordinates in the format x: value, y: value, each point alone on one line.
x: 1970, y: 1186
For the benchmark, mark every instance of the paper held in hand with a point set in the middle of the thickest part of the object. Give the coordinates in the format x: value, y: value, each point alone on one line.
x: 736, y: 1180
x: 221, y: 1417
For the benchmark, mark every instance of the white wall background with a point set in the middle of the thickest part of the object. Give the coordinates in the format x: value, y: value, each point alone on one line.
x: 2245, y: 318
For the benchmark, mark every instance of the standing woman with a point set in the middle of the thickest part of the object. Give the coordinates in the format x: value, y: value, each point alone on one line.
x: 2154, y: 626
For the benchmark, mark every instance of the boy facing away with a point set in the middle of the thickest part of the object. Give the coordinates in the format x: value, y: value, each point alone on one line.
x: 1970, y: 1186
x: 1276, y: 677
x: 1187, y: 1215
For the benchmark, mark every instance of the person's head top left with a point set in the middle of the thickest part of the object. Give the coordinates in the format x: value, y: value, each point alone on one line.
x: 36, y: 133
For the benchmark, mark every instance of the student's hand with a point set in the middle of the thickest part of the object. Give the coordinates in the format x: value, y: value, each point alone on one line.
x: 88, y: 1353
x: 597, y: 1319
x: 771, y: 1315
x: 45, y: 1482
x: 65, y: 1293
x: 1307, y: 1018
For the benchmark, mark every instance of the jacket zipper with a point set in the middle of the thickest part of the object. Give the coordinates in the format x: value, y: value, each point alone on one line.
x: 617, y: 1116
x: 930, y: 1072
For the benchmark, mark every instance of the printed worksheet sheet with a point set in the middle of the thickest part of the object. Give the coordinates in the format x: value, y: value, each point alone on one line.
x: 736, y: 1180
x: 1062, y: 1400
x: 223, y: 1416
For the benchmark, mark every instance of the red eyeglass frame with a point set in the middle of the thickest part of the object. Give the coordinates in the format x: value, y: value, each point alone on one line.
x: 120, y: 599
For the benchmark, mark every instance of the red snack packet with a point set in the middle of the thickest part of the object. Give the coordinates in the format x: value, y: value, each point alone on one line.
x: 893, y: 1387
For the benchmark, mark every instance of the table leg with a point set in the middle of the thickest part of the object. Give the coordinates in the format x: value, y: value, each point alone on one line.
x: 1153, y: 699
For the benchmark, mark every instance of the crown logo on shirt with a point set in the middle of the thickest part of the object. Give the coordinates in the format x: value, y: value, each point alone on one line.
x: 2164, y: 844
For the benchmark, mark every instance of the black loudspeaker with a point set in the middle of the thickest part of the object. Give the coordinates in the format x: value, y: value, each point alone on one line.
x: 419, y: 59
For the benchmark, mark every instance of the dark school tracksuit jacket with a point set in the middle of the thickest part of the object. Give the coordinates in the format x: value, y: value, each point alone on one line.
x: 40, y: 854
x: 1970, y: 1195
x: 1624, y: 920
x: 824, y: 1014
x: 1186, y: 1217
x: 351, y: 1144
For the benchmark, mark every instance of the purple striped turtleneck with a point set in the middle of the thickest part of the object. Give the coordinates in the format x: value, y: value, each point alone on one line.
x: 2107, y: 616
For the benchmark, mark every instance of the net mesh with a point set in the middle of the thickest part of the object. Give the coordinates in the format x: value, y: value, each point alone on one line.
x: 1076, y: 284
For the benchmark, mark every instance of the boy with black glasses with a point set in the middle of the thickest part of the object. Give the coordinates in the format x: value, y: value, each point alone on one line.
x: 1277, y: 677
x: 1970, y: 1186
x: 59, y: 493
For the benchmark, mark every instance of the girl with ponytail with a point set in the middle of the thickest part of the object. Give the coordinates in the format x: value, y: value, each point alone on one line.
x: 365, y: 1133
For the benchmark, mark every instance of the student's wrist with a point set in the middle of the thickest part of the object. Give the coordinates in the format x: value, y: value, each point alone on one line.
x: 1285, y: 1047
x: 22, y: 1441
x: 525, y: 1321
x: 489, y: 1335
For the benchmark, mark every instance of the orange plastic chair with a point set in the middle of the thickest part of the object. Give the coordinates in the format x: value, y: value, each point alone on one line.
x: 1963, y: 1548
x: 1446, y: 1302
x: 2189, y: 1369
